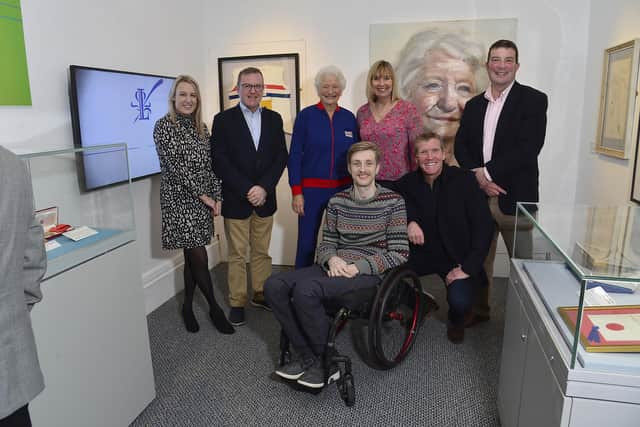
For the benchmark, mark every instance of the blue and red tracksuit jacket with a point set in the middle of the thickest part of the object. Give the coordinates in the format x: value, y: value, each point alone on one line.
x: 318, y: 153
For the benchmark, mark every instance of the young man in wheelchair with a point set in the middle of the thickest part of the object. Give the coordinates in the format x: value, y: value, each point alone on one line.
x: 450, y: 227
x: 364, y: 235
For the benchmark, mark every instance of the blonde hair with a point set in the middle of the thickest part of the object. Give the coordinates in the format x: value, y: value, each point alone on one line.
x: 426, y: 137
x: 197, y: 114
x: 381, y: 68
x: 364, y: 146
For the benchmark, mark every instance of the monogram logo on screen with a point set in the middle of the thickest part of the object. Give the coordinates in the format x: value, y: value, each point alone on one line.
x: 142, y: 102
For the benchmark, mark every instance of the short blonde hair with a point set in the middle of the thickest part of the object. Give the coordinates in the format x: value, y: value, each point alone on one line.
x: 364, y: 146
x: 381, y: 68
x: 426, y: 137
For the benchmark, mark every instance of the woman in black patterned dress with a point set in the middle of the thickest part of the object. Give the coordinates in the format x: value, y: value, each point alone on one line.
x: 190, y: 194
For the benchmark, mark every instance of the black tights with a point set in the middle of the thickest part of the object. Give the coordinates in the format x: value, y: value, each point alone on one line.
x: 196, y: 272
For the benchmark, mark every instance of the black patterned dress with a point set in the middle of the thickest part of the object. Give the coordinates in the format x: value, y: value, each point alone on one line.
x: 185, y: 164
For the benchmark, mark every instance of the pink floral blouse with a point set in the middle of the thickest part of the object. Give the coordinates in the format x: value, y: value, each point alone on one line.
x: 394, y: 134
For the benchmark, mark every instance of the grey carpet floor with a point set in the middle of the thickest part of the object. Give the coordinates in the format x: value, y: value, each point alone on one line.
x: 209, y: 379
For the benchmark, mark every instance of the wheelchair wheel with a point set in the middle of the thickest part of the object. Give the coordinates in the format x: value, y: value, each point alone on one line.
x: 395, y: 318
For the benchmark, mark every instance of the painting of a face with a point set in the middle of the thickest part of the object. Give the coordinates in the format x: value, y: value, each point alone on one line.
x: 440, y: 90
x: 439, y: 65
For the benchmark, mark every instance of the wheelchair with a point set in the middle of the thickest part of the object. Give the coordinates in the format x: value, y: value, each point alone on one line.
x: 395, y: 311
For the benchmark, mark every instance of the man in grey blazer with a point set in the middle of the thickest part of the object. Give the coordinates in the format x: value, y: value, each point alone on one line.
x: 22, y: 265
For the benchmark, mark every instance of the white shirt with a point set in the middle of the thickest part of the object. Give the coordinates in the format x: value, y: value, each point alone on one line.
x: 491, y: 117
x: 254, y: 122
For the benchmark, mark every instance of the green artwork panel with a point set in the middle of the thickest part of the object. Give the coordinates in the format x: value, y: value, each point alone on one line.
x: 14, y: 75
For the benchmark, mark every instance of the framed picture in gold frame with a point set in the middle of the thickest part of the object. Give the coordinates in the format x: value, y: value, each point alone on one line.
x: 609, y: 328
x: 635, y: 180
x: 618, y: 121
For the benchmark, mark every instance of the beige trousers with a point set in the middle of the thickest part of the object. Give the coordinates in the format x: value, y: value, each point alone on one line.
x: 253, y: 234
x: 505, y: 225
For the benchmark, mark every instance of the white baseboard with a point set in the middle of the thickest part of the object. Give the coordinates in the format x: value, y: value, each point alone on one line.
x: 165, y: 280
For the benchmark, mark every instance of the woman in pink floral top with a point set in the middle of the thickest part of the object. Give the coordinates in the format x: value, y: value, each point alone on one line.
x: 389, y: 122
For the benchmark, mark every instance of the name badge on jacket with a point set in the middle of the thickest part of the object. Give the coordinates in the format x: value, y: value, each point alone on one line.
x: 348, y: 134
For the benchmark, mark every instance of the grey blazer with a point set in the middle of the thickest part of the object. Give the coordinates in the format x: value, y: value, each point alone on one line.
x: 22, y: 264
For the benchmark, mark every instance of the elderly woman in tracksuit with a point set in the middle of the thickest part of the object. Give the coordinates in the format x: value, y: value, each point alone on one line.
x: 322, y: 135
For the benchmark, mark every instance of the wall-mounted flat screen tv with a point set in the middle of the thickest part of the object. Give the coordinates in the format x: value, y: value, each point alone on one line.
x: 109, y: 107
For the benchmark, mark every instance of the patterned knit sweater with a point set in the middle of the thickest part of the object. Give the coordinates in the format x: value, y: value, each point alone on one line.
x: 372, y: 233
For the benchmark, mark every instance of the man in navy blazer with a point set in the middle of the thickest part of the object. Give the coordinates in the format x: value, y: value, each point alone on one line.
x: 500, y: 136
x: 249, y: 155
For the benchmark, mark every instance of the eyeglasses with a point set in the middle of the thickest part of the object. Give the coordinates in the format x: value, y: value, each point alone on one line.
x: 249, y: 87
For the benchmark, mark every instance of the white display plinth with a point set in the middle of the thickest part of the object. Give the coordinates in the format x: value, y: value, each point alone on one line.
x: 93, y: 344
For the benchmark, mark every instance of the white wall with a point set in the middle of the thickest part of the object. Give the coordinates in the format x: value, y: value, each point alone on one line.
x: 602, y: 179
x: 149, y: 36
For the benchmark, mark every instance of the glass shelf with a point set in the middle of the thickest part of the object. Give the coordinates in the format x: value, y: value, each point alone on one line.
x: 57, y: 182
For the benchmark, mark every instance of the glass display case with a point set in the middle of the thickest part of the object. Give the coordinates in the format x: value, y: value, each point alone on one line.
x: 584, y: 263
x: 570, y: 349
x: 81, y: 224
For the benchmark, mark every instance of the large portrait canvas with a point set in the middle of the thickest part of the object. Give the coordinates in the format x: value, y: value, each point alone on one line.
x: 439, y: 65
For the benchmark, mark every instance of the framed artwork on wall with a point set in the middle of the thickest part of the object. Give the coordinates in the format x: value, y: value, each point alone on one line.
x: 14, y: 72
x: 618, y: 121
x: 635, y: 180
x: 281, y: 83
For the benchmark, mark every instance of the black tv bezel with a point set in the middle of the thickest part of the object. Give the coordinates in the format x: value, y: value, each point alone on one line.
x: 75, y: 123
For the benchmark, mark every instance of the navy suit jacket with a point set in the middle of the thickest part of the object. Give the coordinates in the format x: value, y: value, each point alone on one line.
x: 518, y: 140
x: 240, y: 166
x: 463, y: 217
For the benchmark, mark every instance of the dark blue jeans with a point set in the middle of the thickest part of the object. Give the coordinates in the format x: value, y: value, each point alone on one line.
x: 296, y: 298
x: 460, y: 293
